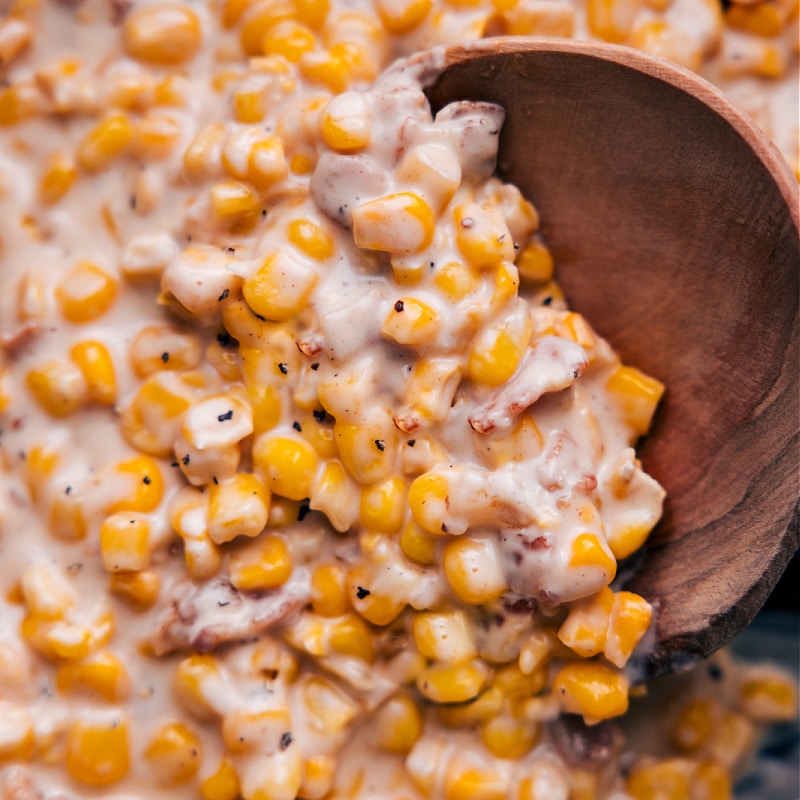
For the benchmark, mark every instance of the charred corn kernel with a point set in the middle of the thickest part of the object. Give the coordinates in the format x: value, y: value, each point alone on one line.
x: 584, y: 629
x: 138, y: 589
x: 591, y: 689
x: 195, y: 678
x: 287, y: 463
x: 464, y: 781
x: 234, y: 203
x: 47, y: 592
x: 351, y: 636
x: 428, y: 501
x: 611, y: 20
x: 397, y: 223
x: 173, y: 754
x: 258, y: 20
x: 693, y: 725
x: 15, y: 36
x: 398, y: 724
x: 280, y: 288
x: 160, y: 347
x: 497, y: 349
x: 506, y: 737
x: 311, y: 238
x: 98, y: 753
x: 403, y: 17
x: 222, y: 784
x: 411, y: 322
x: 263, y: 564
x: 767, y: 695
x: 103, y: 673
x: 17, y: 734
x: 588, y: 551
x: 383, y: 505
x: 452, y: 683
x: 94, y: 362
x: 444, y: 636
x: 638, y: 395
x: 660, y: 780
x: 245, y: 730
x: 629, y: 621
x: 237, y: 506
x: 482, y: 235
x: 345, y: 123
x: 125, y: 542
x: 59, y: 175
x: 473, y: 571
x: 417, y: 544
x: 535, y: 263
x: 367, y: 451
x: 456, y: 280
x: 730, y: 738
x: 59, y: 387
x: 485, y: 706
x: 761, y: 19
x: 155, y: 137
x: 163, y: 34
x: 334, y: 493
x: 203, y: 157
x: 139, y: 486
x: 85, y: 292
x: 289, y: 39
x: 105, y: 143
x: 329, y: 590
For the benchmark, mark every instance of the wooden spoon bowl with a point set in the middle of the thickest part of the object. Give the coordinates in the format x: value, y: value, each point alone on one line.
x: 674, y: 225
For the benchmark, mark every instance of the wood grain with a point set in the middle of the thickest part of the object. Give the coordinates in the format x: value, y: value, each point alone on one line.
x: 674, y: 224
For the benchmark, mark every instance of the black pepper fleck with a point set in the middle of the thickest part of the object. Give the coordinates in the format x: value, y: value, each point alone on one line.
x: 147, y: 480
x: 398, y: 306
x: 224, y: 295
x: 547, y: 301
x: 379, y: 443
x: 165, y: 357
x: 297, y: 426
x: 185, y: 459
x: 303, y: 511
x: 411, y: 442
x: 228, y: 415
x: 283, y: 368
x: 361, y: 592
x: 68, y: 490
x: 286, y: 740
x: 319, y: 414
x: 315, y: 366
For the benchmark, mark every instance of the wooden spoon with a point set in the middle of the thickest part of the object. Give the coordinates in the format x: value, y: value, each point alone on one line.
x: 674, y: 224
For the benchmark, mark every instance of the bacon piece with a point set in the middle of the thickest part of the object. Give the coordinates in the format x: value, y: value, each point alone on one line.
x: 202, y: 617
x: 551, y: 365
x: 13, y: 342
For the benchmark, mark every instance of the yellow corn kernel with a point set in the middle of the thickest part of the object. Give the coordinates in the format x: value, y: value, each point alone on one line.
x: 160, y: 347
x: 506, y: 737
x: 234, y: 203
x: 311, y: 238
x: 105, y: 143
x: 263, y: 564
x: 258, y: 20
x: 17, y: 733
x: 452, y: 683
x: 138, y: 589
x: 141, y: 487
x: 456, y: 280
x: 332, y: 71
x: 59, y: 387
x: 31, y: 299
x: 658, y: 37
x: 334, y: 493
x: 237, y: 506
x: 125, y: 542
x: 85, y: 292
x: 267, y: 163
x: 497, y: 349
x: 163, y: 34
x: 535, y: 263
x: 155, y: 137
x: 249, y: 101
x: 103, y: 673
x: 280, y: 288
x: 59, y: 175
x: 637, y: 394
x: 518, y: 685
x: 202, y: 158
x: 537, y: 19
x: 66, y: 518
x: 411, y: 322
x: 98, y: 753
x: 351, y: 636
x: 693, y: 725
x: 584, y: 629
x: 423, y: 762
x: 367, y: 451
x: 417, y: 544
x: 761, y: 19
x: 232, y: 10
x: 222, y: 784
x: 591, y: 689
x: 397, y: 223
x: 482, y: 235
x: 485, y: 706
x: 630, y: 618
x: 312, y: 12
x: 660, y: 780
x: 767, y: 695
x: 15, y: 35
x: 370, y: 600
x: 244, y: 731
x: 428, y: 501
x: 318, y: 775
x: 611, y: 20
x: 402, y: 17
x: 444, y: 636
x: 628, y: 535
x: 193, y: 678
x: 289, y: 39
x: 287, y: 463
x: 473, y: 571
x: 47, y: 592
x: 710, y: 781
x: 588, y: 551
x: 173, y: 754
x: 94, y: 362
x: 730, y: 739
x: 398, y: 724
x: 464, y: 781
x: 506, y: 283
x: 19, y: 102
x: 383, y: 505
x: 329, y: 590
x: 40, y: 465
x: 345, y: 123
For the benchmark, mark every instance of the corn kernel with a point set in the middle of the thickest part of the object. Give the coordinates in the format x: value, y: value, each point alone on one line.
x: 482, y: 235
x: 693, y: 725
x: 203, y: 157
x: 444, y: 636
x: 155, y: 137
x: 47, y: 592
x: 630, y: 618
x: 263, y: 564
x: 17, y: 734
x: 611, y: 20
x: 257, y: 22
x: 411, y: 322
x: 345, y: 123
x: 245, y: 730
x: 98, y: 754
x: 369, y: 598
x: 660, y: 780
x: 173, y: 754
x: 535, y: 263
x: 637, y: 394
x: 351, y: 636
x: 334, y: 493
x: 400, y: 18
x: 141, y: 487
x: 238, y: 506
x: 59, y: 387
x: 463, y: 781
x: 329, y: 590
x: 767, y: 695
x: 487, y: 705
x: 591, y: 689
x: 266, y: 163
x: 367, y: 451
x: 234, y: 204
x: 311, y: 238
x: 473, y: 571
x: 397, y: 223
x: 57, y: 179
x: 761, y: 19
x: 288, y: 464
x: 85, y: 292
x: 730, y: 738
x: 138, y: 589
x: 194, y: 677
x: 418, y: 545
x: 163, y: 34
x: 280, y: 288
x: 588, y: 551
x: 452, y: 683
x: 584, y: 629
x: 398, y: 724
x: 497, y: 349
x: 15, y: 36
x: 332, y: 71
x: 383, y: 505
x: 222, y: 784
x: 539, y: 19
x: 103, y: 673
x: 94, y: 362
x: 506, y: 737
x: 290, y: 39
x: 125, y: 542
x: 105, y: 143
